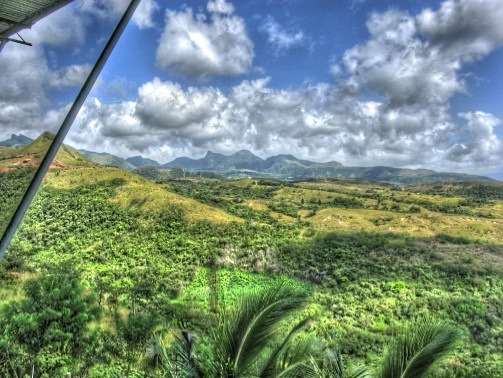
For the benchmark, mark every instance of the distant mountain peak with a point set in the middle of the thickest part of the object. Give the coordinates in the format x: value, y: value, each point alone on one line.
x: 244, y: 153
x: 16, y: 141
x: 106, y: 159
x: 140, y: 161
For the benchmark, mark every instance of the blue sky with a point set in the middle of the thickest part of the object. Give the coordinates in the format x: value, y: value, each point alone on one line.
x: 403, y: 83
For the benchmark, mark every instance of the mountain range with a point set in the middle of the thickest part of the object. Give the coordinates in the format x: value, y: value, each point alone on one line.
x: 245, y: 164
x: 16, y: 141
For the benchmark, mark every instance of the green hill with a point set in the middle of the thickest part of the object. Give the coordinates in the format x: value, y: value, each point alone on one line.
x: 136, y: 192
x: 374, y: 256
x: 71, y: 169
x: 107, y: 159
x: 32, y: 154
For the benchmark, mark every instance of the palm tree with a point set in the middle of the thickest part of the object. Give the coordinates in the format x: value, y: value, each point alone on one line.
x: 245, y: 342
x: 415, y: 353
x: 419, y: 350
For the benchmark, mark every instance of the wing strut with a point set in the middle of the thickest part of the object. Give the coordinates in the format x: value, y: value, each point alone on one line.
x: 65, y: 127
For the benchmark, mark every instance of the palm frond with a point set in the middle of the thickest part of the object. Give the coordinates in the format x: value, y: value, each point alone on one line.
x: 187, y: 341
x: 300, y: 369
x: 185, y: 363
x: 155, y: 351
x: 289, y: 356
x: 245, y: 332
x: 296, y: 359
x: 335, y: 366
x: 419, y: 350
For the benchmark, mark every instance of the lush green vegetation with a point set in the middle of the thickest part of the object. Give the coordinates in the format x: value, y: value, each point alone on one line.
x: 245, y: 342
x: 47, y: 329
x: 151, y: 263
x: 13, y: 184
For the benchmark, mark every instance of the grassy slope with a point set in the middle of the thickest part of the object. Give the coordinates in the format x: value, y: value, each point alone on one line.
x: 482, y: 221
x: 138, y: 192
x: 75, y: 169
x: 424, y: 224
x: 32, y: 154
x: 376, y: 207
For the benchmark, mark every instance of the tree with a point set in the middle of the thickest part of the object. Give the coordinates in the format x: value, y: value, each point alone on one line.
x: 136, y: 330
x: 51, y: 322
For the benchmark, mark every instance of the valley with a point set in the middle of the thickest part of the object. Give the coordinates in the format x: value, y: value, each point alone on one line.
x: 374, y: 256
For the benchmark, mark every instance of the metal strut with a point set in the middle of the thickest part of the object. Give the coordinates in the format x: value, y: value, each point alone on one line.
x: 65, y: 127
x: 20, y: 41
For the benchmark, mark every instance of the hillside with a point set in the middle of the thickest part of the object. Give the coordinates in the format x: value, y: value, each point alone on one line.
x: 464, y: 210
x: 71, y: 169
x: 136, y: 192
x: 102, y: 158
x: 374, y: 255
x: 107, y: 159
x: 32, y: 154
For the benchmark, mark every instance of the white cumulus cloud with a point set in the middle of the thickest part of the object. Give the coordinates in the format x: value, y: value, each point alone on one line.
x: 479, y: 144
x: 280, y: 38
x: 200, y: 47
x: 106, y: 9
